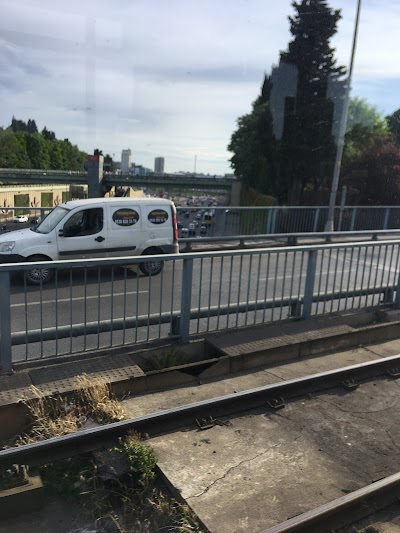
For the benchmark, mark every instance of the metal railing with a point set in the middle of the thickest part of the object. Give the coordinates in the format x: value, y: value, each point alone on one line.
x: 251, y: 221
x: 99, y: 303
x: 290, y: 238
x: 270, y: 220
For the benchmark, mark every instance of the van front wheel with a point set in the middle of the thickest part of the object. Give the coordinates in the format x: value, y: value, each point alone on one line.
x: 37, y: 276
x: 151, y: 268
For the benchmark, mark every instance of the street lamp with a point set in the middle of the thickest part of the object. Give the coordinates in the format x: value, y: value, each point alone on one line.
x: 329, y: 226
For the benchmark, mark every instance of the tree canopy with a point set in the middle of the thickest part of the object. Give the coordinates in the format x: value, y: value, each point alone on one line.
x: 22, y: 146
x: 394, y: 125
x: 303, y: 157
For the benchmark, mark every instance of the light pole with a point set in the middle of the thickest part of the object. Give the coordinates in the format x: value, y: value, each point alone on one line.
x: 329, y: 226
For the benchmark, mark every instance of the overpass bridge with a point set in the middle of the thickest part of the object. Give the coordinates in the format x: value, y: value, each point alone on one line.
x: 165, y: 181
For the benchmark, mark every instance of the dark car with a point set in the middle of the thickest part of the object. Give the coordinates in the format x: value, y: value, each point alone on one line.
x: 180, y: 224
x: 203, y: 229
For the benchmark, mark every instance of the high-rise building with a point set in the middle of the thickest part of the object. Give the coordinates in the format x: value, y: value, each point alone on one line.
x: 159, y: 165
x: 126, y: 160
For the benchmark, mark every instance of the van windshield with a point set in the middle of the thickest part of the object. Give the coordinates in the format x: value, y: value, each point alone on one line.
x: 52, y: 219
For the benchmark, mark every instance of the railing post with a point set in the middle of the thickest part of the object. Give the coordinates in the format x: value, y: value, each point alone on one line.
x: 269, y: 221
x: 186, y: 300
x: 310, y: 281
x: 353, y: 218
x: 316, y: 220
x: 223, y: 223
x: 386, y: 221
x: 273, y: 226
x: 5, y: 324
x: 397, y: 301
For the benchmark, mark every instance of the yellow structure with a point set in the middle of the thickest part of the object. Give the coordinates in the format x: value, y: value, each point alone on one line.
x: 48, y: 196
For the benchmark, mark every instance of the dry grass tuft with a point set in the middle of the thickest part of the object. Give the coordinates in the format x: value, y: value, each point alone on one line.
x: 54, y: 416
x: 95, y: 400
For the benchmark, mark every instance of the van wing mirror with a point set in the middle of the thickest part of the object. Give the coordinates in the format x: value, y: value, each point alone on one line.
x: 61, y: 232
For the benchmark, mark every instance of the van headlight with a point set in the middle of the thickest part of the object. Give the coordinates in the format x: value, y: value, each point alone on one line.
x: 7, y: 246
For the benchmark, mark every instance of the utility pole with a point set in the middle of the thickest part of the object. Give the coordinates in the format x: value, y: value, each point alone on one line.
x: 195, y: 163
x: 329, y: 226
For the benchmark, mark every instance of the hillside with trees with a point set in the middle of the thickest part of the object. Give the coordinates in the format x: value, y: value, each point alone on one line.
x: 23, y: 146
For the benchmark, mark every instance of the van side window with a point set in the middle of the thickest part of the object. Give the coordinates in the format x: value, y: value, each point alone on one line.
x: 85, y: 222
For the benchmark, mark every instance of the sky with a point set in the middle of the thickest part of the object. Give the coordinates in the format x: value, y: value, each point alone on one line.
x: 168, y: 77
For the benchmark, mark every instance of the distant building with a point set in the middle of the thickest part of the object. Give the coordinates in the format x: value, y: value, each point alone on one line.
x: 159, y: 165
x: 140, y: 170
x: 126, y: 160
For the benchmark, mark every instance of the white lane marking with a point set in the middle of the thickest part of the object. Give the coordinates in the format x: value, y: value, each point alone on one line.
x: 79, y: 298
x: 288, y: 275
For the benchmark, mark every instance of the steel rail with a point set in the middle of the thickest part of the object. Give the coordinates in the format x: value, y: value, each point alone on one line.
x: 178, y: 417
x: 344, y: 510
x: 288, y: 236
x: 118, y: 324
x: 128, y: 261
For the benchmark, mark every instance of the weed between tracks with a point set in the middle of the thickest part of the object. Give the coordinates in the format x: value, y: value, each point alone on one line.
x: 117, y: 488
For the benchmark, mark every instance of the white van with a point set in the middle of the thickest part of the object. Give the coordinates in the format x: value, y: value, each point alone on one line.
x: 99, y: 227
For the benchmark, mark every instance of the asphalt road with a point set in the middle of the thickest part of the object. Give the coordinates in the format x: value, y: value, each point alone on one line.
x: 76, y: 297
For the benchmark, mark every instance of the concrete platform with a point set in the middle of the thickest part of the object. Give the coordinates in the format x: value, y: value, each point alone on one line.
x: 260, y: 469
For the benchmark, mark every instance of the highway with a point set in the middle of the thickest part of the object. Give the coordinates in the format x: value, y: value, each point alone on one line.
x: 82, y: 297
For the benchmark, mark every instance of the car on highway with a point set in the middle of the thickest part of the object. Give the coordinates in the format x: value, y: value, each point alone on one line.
x: 199, y: 215
x: 203, y: 229
x: 184, y: 232
x: 179, y: 224
x: 20, y: 219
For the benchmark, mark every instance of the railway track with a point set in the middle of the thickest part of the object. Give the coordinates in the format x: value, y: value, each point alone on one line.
x: 328, y: 517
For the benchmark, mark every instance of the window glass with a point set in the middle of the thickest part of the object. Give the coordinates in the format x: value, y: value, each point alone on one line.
x: 86, y: 222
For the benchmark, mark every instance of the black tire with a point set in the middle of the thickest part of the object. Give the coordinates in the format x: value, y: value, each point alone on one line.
x: 151, y: 268
x: 38, y: 276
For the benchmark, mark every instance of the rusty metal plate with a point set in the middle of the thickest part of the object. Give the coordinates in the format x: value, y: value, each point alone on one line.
x: 246, y: 341
x: 65, y: 377
x: 15, y: 388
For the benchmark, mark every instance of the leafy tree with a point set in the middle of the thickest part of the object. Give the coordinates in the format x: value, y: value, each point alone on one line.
x: 48, y: 135
x: 18, y: 125
x: 308, y: 148
x: 253, y: 144
x: 37, y: 150
x: 97, y: 152
x: 12, y: 151
x: 373, y: 175
x: 394, y: 125
x: 21, y: 148
x: 57, y: 160
x: 108, y: 163
x: 31, y: 127
x: 364, y: 114
x: 304, y: 157
x: 360, y: 137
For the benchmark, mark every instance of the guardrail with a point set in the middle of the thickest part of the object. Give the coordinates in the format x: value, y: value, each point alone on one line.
x: 247, y: 222
x: 93, y: 304
x: 291, y: 238
x: 270, y: 220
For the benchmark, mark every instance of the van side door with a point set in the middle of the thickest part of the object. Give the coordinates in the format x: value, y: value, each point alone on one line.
x: 82, y: 234
x: 125, y: 230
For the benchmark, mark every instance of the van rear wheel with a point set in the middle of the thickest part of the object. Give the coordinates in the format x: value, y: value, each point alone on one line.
x: 151, y: 268
x: 37, y: 276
